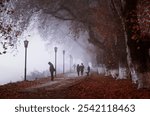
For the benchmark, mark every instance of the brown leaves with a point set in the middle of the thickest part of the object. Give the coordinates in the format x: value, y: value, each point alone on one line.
x: 143, y: 11
x: 8, y: 30
x: 105, y: 88
x: 138, y: 20
x: 95, y: 86
x: 13, y: 90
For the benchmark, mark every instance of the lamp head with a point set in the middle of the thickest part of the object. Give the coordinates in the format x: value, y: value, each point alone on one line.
x: 55, y: 48
x: 26, y: 42
x: 63, y: 51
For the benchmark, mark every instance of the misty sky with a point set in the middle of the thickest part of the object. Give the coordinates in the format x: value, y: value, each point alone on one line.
x: 41, y: 52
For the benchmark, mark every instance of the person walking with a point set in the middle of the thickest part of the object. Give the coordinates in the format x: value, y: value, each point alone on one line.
x: 88, y: 70
x: 78, y: 70
x: 52, y: 70
x: 82, y: 69
x: 74, y: 67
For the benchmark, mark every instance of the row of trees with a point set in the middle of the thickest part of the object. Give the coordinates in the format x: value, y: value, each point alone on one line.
x: 119, y: 29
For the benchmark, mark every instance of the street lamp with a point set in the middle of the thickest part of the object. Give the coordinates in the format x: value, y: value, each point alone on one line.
x: 70, y: 62
x: 26, y: 42
x: 55, y: 49
x: 63, y: 61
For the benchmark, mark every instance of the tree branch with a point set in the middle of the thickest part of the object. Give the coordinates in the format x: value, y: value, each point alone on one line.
x: 94, y: 40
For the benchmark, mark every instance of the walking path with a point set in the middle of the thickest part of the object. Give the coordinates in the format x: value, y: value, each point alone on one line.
x: 61, y: 81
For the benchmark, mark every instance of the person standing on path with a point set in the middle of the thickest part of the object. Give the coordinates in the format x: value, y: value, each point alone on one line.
x: 74, y: 67
x: 78, y: 70
x: 82, y: 69
x: 52, y: 70
x: 88, y: 70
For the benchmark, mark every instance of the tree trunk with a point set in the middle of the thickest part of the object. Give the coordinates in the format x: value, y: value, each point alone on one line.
x: 138, y: 61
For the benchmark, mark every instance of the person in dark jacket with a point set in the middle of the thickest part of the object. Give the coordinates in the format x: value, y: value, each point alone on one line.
x: 78, y: 70
x: 88, y: 70
x: 82, y: 69
x: 52, y: 70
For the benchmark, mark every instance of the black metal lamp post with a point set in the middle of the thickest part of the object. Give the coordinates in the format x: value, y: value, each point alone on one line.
x: 26, y: 42
x: 55, y: 49
x: 63, y: 61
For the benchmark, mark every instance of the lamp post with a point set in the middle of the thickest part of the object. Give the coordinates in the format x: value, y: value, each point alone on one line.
x: 25, y: 69
x: 63, y: 61
x: 55, y: 49
x: 70, y: 62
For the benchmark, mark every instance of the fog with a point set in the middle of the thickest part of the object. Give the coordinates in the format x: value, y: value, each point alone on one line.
x: 40, y: 51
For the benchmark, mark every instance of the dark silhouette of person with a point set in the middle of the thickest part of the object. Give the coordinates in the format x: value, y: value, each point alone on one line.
x: 52, y: 70
x: 88, y: 70
x: 78, y: 70
x: 74, y: 67
x: 82, y: 69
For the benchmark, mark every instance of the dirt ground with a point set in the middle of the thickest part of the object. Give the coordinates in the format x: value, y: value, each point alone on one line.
x: 92, y: 87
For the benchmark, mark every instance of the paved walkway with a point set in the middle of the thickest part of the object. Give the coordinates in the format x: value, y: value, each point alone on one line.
x: 61, y: 81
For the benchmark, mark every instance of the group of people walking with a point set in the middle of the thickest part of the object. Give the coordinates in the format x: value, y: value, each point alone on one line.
x: 79, y: 68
